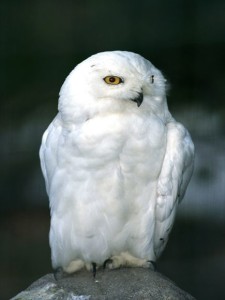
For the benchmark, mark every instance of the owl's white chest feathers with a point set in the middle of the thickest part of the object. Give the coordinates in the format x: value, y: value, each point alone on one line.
x: 103, y: 190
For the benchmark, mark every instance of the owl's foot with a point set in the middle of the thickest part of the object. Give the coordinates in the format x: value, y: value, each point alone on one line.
x: 74, y: 266
x: 125, y: 259
x: 79, y: 264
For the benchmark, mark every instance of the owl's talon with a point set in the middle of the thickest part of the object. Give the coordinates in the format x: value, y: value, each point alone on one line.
x: 94, y: 269
x: 107, y: 261
x: 153, y: 265
x: 58, y: 273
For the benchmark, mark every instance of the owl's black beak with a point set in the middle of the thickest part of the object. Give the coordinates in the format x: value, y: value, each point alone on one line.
x: 138, y: 99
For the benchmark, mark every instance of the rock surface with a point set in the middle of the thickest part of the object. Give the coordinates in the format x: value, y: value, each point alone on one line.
x: 132, y: 283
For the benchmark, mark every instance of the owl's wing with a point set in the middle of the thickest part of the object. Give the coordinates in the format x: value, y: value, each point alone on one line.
x: 48, y: 150
x: 175, y: 175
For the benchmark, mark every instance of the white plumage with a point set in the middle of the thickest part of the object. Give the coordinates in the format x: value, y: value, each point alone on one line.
x: 115, y: 163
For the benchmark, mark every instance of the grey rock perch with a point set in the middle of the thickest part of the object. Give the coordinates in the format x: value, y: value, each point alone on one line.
x: 132, y: 283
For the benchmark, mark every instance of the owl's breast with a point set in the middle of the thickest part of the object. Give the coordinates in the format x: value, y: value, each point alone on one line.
x: 106, y: 177
x: 137, y: 143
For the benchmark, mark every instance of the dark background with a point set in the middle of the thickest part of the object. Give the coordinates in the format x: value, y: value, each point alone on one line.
x: 40, y: 43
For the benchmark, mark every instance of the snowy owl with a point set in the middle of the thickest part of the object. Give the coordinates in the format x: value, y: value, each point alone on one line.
x: 116, y: 164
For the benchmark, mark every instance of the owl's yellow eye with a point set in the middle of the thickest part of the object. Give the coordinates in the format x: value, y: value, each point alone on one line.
x: 114, y: 80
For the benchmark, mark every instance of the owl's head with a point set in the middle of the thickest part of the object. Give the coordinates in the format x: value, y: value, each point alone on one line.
x: 114, y: 80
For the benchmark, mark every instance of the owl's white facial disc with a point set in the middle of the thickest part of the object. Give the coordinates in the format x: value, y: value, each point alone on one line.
x: 124, y: 77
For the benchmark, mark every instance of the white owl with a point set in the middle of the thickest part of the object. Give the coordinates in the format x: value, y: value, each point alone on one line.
x: 116, y: 164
